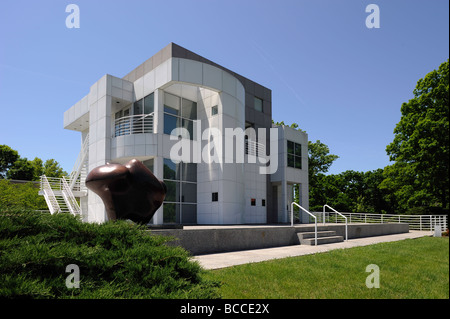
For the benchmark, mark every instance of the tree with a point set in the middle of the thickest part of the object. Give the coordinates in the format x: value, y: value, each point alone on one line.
x: 38, y: 168
x: 420, y: 149
x: 319, y: 158
x: 7, y: 158
x: 12, y: 166
x: 21, y: 169
x: 51, y: 168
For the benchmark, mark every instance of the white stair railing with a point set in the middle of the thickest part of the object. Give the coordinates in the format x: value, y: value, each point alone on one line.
x: 49, y: 195
x: 70, y: 200
x: 315, y: 219
x: 346, y: 222
x: 79, y: 163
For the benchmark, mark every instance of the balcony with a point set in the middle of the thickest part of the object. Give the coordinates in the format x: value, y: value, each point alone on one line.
x: 133, y: 124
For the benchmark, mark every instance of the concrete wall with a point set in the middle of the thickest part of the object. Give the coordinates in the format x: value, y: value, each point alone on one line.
x: 200, y: 241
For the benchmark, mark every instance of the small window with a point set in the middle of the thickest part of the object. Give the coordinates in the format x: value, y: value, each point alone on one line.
x: 214, y: 110
x: 258, y: 104
x: 253, y: 202
x: 294, y: 155
x: 263, y: 202
x: 215, y: 197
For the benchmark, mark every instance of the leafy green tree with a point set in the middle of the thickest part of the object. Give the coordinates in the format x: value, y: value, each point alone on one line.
x: 12, y: 166
x: 21, y: 170
x: 7, y: 158
x: 38, y: 169
x: 51, y: 168
x: 420, y: 149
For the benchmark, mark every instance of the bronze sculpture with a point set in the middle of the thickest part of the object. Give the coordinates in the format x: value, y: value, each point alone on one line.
x: 129, y: 191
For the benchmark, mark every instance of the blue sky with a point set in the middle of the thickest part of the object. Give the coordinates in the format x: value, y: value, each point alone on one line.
x: 340, y: 81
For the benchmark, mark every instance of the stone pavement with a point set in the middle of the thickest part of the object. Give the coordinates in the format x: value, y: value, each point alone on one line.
x: 222, y: 260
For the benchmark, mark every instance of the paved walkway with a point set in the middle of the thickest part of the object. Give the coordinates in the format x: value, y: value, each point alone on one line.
x: 222, y: 260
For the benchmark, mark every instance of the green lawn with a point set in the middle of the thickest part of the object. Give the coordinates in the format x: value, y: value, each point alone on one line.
x: 413, y: 268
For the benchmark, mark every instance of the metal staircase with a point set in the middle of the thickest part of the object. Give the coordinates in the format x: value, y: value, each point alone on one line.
x: 60, y: 193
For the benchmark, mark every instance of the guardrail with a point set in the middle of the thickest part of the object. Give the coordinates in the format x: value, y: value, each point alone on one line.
x: 343, y: 216
x: 50, y: 199
x: 416, y: 222
x: 310, y: 214
x: 133, y: 124
x: 70, y: 200
x: 56, y: 185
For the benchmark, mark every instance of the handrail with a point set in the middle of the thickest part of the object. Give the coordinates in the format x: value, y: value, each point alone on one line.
x: 315, y: 219
x: 49, y: 196
x: 79, y: 162
x: 69, y: 198
x: 416, y: 222
x: 346, y: 222
x: 128, y: 125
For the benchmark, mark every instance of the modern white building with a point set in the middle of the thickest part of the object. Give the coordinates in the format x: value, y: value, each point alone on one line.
x: 135, y: 117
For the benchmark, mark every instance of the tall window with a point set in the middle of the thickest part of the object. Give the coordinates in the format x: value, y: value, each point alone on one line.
x: 180, y: 204
x: 179, y: 112
x: 258, y: 104
x: 294, y: 155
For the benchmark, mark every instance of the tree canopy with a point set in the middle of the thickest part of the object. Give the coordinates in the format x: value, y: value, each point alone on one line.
x: 419, y: 176
x: 12, y: 166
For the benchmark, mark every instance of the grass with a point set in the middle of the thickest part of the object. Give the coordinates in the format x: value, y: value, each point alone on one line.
x: 413, y: 268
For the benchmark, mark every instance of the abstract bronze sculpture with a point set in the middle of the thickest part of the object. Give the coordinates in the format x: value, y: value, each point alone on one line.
x: 129, y: 191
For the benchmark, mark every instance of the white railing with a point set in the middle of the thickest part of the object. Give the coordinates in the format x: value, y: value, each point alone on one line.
x: 49, y: 195
x: 78, y: 166
x: 70, y: 200
x: 254, y: 148
x: 312, y: 215
x: 133, y: 124
x: 416, y: 222
x: 335, y: 211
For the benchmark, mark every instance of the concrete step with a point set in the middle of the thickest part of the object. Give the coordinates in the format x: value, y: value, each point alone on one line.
x: 322, y: 240
x: 324, y: 233
x: 323, y: 237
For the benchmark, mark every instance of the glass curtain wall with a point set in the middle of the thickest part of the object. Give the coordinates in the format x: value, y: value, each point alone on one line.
x: 180, y: 204
x: 179, y: 112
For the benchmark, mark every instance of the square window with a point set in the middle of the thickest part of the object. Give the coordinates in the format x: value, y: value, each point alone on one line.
x: 172, y: 103
x: 214, y: 110
x: 188, y: 109
x: 298, y: 162
x: 290, y: 147
x: 171, y: 170
x: 253, y: 202
x: 298, y: 149
x: 258, y: 104
x: 291, y: 160
x: 189, y: 191
x: 171, y: 213
x: 138, y: 107
x: 263, y: 202
x: 170, y: 123
x: 173, y: 191
x: 215, y: 197
x: 149, y: 104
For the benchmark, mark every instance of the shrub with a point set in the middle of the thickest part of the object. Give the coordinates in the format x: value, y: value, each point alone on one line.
x: 24, y: 195
x: 115, y: 259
